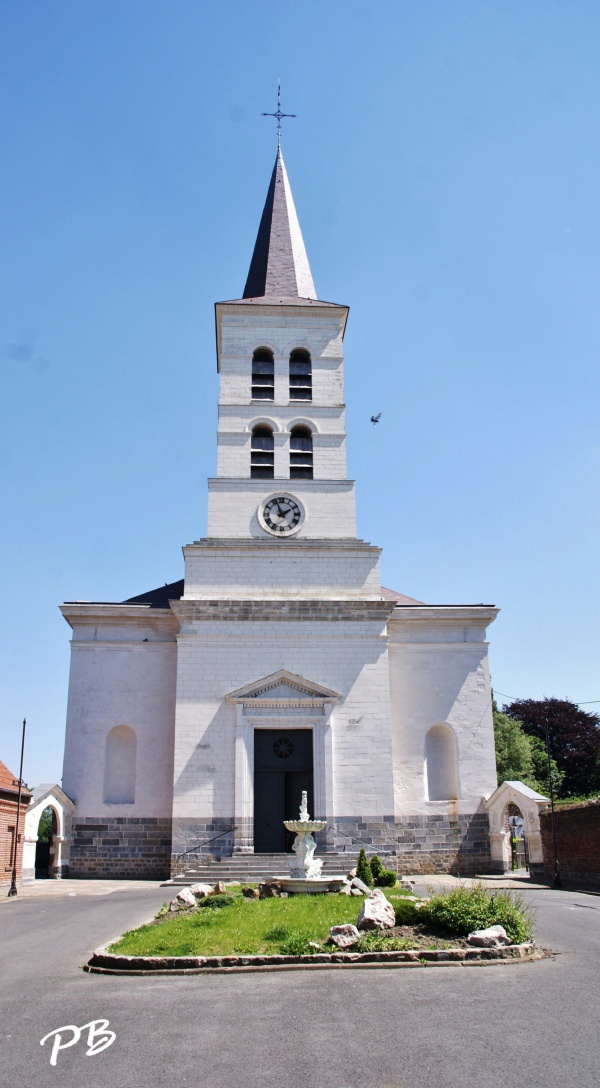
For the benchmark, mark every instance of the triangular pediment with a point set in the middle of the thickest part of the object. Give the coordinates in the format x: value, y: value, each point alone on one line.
x: 283, y: 685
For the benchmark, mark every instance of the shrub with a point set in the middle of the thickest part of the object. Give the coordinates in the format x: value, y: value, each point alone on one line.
x: 363, y: 869
x: 517, y: 918
x: 376, y: 867
x: 296, y: 944
x: 406, y: 913
x: 383, y: 878
x: 463, y: 910
x: 215, y: 902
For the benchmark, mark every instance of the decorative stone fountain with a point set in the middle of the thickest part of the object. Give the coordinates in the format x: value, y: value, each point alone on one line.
x: 305, y: 869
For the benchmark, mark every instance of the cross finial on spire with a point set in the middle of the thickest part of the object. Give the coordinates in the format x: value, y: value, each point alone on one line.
x: 278, y: 114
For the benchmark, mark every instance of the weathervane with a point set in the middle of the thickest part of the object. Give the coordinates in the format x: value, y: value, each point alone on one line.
x: 279, y: 114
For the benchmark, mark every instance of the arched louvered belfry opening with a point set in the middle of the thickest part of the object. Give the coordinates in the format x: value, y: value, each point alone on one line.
x: 441, y: 764
x: 119, y: 766
x: 301, y: 454
x: 300, y: 375
x: 263, y: 374
x: 262, y: 453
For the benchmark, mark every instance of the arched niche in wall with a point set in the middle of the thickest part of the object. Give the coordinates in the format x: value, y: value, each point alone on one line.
x: 441, y: 764
x: 119, y: 766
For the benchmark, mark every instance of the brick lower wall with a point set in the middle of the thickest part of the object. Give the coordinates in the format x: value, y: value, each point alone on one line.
x: 122, y: 847
x: 8, y: 835
x: 577, y: 842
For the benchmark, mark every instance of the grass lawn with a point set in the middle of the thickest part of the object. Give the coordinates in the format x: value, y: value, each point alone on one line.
x: 247, y: 925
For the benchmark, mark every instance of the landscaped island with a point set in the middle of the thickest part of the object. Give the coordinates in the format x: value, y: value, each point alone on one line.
x: 235, y: 923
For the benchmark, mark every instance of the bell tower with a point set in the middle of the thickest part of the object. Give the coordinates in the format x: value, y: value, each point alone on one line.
x: 281, y: 464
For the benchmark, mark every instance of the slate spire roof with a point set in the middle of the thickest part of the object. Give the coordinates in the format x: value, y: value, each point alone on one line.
x: 279, y: 265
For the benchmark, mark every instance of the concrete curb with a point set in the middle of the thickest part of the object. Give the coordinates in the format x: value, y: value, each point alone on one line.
x: 108, y: 963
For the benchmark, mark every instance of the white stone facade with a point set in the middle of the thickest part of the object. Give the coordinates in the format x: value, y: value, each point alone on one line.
x: 284, y: 633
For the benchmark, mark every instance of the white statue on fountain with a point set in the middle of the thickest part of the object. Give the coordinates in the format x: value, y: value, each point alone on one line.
x: 305, y: 866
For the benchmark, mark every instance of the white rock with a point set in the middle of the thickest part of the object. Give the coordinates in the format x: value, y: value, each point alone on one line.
x: 345, y: 889
x: 201, y: 890
x: 344, y: 936
x: 376, y: 912
x: 362, y: 887
x: 186, y: 897
x: 492, y: 937
x: 355, y: 891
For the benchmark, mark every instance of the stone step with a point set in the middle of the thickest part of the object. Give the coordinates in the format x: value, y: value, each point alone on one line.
x: 253, y: 868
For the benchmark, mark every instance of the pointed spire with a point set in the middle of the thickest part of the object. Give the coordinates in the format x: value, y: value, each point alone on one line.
x: 279, y: 265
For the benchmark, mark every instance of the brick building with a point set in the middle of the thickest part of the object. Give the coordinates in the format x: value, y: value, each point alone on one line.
x: 199, y: 711
x: 11, y: 836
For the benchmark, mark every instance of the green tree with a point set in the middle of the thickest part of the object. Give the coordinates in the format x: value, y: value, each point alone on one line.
x: 513, y: 750
x: 522, y: 758
x: 574, y: 739
x: 540, y: 769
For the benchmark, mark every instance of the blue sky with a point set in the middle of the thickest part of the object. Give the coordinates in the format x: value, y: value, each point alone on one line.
x: 445, y: 168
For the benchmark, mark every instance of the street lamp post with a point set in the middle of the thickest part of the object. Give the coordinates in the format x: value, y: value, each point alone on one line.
x: 13, y: 884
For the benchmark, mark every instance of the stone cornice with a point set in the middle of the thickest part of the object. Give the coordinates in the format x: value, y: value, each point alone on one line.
x: 293, y: 544
x: 447, y: 614
x: 82, y: 613
x: 317, y: 485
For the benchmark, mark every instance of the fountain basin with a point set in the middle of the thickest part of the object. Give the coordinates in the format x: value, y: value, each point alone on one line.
x: 305, y: 827
x: 295, y: 885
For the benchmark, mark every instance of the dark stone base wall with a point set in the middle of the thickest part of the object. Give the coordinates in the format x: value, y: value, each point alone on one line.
x: 413, y: 844
x: 121, y: 848
x: 420, y: 844
x: 206, y: 839
x: 145, y: 848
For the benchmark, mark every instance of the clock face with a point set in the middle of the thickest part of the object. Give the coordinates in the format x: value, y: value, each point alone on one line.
x: 281, y: 515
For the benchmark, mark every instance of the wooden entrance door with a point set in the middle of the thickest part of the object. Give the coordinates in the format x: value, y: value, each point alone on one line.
x: 283, y: 768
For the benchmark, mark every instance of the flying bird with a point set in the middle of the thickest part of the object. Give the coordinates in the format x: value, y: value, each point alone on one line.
x: 375, y: 419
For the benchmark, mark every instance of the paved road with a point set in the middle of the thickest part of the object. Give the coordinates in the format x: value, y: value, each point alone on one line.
x: 520, y: 1026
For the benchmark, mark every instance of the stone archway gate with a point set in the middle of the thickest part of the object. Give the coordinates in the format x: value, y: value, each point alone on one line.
x: 48, y: 796
x: 530, y: 803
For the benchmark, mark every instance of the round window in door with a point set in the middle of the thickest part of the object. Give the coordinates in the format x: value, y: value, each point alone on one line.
x: 283, y: 748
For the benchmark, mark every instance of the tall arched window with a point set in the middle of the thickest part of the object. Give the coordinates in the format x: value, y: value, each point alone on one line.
x: 441, y: 764
x: 263, y: 375
x: 300, y: 375
x: 119, y: 766
x: 301, y: 454
x: 262, y: 456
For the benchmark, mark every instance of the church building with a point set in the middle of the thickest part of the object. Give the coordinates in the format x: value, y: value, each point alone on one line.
x: 199, y: 711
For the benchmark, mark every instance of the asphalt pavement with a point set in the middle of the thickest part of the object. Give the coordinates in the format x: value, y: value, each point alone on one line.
x: 520, y: 1025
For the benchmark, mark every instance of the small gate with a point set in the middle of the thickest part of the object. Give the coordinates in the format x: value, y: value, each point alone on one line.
x: 518, y: 841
